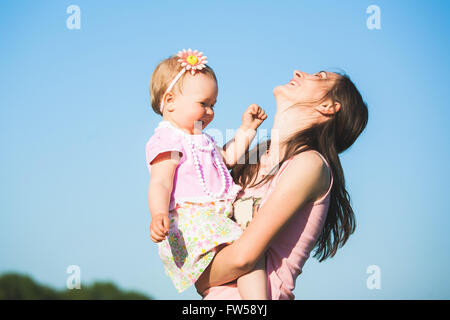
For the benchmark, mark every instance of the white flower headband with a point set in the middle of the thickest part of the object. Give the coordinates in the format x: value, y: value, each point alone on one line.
x: 190, y: 60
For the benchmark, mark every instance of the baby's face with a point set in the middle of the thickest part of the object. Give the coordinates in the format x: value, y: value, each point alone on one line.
x: 195, y: 102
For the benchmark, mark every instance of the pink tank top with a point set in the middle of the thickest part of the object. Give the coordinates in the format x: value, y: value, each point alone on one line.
x: 290, y: 249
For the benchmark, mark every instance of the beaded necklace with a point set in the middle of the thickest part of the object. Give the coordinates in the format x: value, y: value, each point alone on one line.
x: 200, y: 174
x: 194, y: 148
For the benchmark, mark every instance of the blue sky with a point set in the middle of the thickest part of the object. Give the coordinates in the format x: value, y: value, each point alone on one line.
x: 75, y: 117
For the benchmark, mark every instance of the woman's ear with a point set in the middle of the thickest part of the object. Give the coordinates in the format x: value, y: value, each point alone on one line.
x: 168, y: 99
x: 328, y: 108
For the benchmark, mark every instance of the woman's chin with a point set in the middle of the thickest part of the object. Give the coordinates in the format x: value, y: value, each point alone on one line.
x: 282, y: 92
x: 278, y: 90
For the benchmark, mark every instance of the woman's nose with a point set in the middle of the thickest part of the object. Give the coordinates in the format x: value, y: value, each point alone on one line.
x: 299, y: 74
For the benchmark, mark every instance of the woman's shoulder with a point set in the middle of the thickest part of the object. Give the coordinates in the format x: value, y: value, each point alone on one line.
x: 307, y: 167
x: 309, y: 159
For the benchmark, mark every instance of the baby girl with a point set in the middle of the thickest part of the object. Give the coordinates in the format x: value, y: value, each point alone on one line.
x: 191, y: 192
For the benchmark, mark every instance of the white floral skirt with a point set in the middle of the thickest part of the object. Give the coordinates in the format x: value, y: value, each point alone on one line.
x: 195, y: 231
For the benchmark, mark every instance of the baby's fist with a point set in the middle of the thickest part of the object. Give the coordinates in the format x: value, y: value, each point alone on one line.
x: 159, y: 227
x: 253, y: 117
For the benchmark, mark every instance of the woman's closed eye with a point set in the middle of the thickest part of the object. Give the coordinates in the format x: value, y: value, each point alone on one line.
x: 321, y: 74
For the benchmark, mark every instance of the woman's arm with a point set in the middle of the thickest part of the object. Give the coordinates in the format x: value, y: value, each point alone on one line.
x: 305, y: 179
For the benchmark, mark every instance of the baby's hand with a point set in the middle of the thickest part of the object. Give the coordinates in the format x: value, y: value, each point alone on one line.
x: 253, y: 117
x: 159, y: 227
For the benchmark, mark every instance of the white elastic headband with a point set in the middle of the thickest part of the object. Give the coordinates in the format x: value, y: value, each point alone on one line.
x: 169, y: 88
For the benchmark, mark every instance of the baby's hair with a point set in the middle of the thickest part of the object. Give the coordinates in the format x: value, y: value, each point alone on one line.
x: 163, y: 74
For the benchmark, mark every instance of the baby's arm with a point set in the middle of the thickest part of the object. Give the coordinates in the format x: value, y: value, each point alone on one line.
x: 234, y: 149
x: 159, y: 191
x: 253, y: 285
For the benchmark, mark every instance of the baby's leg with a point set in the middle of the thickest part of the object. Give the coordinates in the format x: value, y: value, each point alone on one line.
x: 253, y: 285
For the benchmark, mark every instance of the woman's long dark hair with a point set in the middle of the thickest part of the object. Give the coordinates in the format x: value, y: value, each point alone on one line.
x: 329, y: 138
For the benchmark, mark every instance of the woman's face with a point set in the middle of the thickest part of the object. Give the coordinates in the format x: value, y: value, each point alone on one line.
x: 305, y: 88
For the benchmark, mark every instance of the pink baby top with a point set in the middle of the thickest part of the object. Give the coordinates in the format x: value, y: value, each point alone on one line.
x: 289, y: 250
x: 186, y: 185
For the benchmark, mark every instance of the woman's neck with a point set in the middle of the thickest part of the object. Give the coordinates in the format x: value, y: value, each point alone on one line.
x: 287, y: 122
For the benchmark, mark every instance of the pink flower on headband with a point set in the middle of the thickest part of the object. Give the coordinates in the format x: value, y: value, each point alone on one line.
x: 192, y: 60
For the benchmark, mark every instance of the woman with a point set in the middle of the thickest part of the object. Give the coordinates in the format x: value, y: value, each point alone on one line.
x: 304, y: 201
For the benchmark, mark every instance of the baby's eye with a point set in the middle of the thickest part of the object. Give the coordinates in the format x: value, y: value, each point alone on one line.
x: 204, y: 104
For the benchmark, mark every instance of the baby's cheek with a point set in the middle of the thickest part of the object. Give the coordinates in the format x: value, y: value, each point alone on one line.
x: 193, y: 116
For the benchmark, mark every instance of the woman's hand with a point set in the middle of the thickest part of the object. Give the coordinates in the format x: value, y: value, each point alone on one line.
x: 253, y: 117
